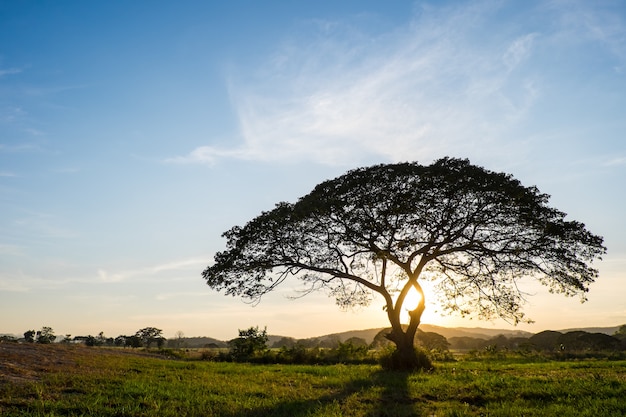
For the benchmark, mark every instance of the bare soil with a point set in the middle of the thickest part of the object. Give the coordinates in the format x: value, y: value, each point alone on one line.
x: 24, y: 362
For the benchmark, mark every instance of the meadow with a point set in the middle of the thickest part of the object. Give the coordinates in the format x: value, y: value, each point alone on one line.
x: 57, y: 380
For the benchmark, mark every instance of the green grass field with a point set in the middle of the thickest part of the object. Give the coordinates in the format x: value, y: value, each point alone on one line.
x: 57, y: 380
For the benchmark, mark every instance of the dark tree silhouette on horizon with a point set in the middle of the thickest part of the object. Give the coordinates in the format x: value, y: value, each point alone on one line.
x: 385, y: 229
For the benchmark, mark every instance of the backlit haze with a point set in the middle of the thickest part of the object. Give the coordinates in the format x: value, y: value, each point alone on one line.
x: 132, y: 134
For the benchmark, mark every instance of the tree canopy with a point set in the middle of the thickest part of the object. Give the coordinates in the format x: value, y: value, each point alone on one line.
x: 387, y: 228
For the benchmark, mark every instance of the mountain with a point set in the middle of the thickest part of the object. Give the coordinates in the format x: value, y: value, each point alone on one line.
x: 606, y: 330
x: 475, y: 332
x: 448, y: 332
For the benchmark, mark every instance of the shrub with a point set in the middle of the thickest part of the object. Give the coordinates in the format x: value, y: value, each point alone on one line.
x: 391, y: 360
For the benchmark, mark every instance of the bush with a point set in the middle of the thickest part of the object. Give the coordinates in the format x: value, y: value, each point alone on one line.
x: 250, y: 343
x: 391, y: 360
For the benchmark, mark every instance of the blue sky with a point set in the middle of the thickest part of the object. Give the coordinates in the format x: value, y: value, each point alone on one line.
x: 132, y: 134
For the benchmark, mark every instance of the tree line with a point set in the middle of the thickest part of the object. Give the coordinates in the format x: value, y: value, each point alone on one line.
x: 253, y: 345
x: 146, y: 337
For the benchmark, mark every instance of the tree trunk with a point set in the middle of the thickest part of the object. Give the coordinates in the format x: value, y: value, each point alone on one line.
x: 406, y: 357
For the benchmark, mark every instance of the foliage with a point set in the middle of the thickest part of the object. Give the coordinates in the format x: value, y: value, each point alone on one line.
x: 250, y: 343
x: 385, y: 229
x: 150, y: 335
x: 45, y: 335
x: 29, y: 336
x: 395, y: 360
x: 285, y: 342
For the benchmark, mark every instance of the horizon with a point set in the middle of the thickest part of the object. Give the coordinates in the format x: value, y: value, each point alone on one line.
x: 133, y: 135
x: 476, y: 329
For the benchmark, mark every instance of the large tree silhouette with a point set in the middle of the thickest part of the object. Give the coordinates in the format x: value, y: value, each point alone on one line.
x: 385, y: 229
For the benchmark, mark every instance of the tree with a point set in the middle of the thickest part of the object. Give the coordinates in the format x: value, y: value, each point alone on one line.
x: 546, y: 340
x: 133, y: 341
x: 249, y: 343
x: 29, y: 336
x: 46, y: 335
x: 149, y: 335
x: 286, y: 342
x: 384, y: 230
x: 433, y: 341
x: 120, y: 341
x: 180, y: 336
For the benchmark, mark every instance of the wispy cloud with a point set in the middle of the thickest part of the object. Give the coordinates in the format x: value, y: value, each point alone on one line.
x: 426, y: 89
x: 616, y: 161
x: 149, y: 271
x: 9, y: 71
x: 582, y: 21
x: 440, y: 85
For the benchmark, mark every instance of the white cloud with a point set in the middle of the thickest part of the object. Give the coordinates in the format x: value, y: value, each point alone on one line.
x: 440, y: 85
x: 149, y: 271
x: 421, y: 91
x: 9, y: 71
x: 519, y: 50
x: 616, y: 161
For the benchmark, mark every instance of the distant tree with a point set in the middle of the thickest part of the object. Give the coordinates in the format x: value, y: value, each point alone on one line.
x: 356, y: 341
x: 91, y: 341
x: 380, y: 340
x: 331, y: 342
x: 500, y: 341
x: 180, y: 338
x: 46, y: 335
x: 546, y: 340
x: 584, y: 341
x: 621, y: 332
x: 599, y: 342
x: 29, y: 336
x: 285, y: 342
x: 521, y: 343
x: 67, y: 339
x: 385, y: 229
x: 467, y: 343
x: 133, y: 341
x: 120, y: 341
x: 433, y: 341
x: 250, y: 343
x: 150, y: 335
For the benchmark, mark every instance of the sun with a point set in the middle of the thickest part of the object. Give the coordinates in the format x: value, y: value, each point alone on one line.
x: 411, y: 302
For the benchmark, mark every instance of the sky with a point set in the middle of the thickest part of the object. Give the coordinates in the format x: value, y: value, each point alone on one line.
x: 133, y: 134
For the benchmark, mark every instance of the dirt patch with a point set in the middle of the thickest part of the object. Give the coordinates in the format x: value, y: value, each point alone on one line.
x: 26, y: 362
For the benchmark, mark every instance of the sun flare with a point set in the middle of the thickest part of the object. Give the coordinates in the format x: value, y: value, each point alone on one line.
x: 412, y: 300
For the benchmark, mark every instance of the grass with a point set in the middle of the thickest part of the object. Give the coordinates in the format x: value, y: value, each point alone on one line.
x: 79, y: 381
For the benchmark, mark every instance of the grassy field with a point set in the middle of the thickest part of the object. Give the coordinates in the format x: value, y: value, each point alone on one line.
x: 54, y: 380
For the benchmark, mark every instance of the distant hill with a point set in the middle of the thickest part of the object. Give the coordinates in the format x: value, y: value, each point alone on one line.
x: 369, y: 334
x: 606, y: 330
x: 476, y: 332
x: 198, y: 342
